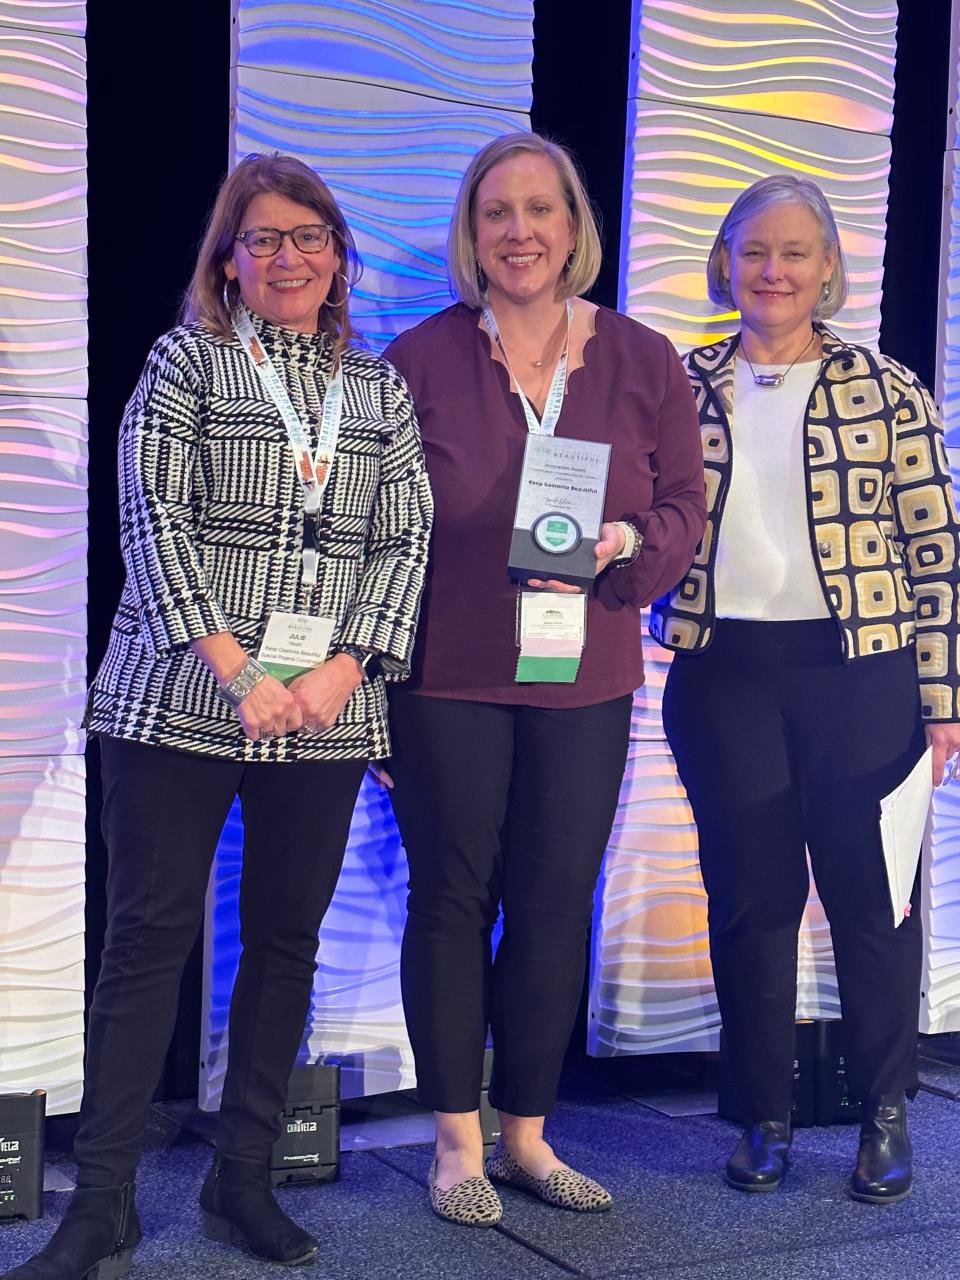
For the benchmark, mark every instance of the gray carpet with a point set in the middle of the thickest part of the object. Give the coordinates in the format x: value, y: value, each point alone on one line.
x: 674, y: 1218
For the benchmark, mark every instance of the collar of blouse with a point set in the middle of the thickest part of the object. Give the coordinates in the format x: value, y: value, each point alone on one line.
x: 290, y: 346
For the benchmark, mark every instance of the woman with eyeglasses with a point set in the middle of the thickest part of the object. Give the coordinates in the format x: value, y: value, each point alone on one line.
x: 274, y: 515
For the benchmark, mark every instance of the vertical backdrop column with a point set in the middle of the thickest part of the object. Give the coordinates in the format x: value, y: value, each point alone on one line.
x: 719, y: 99
x: 940, y: 1005
x: 43, y: 454
x: 388, y: 103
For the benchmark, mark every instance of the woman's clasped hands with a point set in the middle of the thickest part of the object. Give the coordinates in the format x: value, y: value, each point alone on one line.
x: 312, y: 702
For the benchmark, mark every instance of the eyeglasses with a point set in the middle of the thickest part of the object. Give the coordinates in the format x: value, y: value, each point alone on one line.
x: 265, y: 242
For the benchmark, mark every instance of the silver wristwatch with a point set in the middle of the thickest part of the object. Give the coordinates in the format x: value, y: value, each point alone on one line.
x: 244, y: 682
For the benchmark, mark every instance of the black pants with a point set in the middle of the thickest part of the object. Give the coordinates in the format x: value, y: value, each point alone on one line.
x: 508, y: 804
x: 162, y: 815
x: 780, y: 744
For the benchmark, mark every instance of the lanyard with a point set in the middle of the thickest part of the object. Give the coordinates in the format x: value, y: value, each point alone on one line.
x: 314, y: 472
x: 558, y: 385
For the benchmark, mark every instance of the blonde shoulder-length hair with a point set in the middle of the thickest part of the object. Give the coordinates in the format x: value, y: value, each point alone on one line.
x: 779, y: 188
x: 462, y: 265
x: 210, y: 296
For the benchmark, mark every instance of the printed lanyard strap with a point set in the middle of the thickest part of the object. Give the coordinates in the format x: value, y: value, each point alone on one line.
x: 551, y: 411
x: 314, y: 472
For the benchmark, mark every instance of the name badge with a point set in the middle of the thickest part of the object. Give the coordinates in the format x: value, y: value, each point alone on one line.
x: 294, y: 643
x: 551, y: 630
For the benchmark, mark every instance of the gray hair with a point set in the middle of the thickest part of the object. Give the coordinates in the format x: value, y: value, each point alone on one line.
x: 780, y: 188
x: 585, y: 260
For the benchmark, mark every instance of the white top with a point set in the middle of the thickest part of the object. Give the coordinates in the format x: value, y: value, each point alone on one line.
x: 765, y: 569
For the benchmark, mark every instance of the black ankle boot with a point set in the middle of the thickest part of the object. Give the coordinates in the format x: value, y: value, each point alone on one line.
x: 239, y: 1208
x: 884, y: 1170
x: 95, y: 1240
x: 760, y: 1157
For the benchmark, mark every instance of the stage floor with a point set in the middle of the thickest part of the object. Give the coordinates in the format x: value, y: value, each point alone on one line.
x: 674, y: 1217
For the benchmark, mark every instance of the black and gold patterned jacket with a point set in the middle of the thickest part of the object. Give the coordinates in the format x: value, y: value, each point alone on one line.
x: 883, y: 523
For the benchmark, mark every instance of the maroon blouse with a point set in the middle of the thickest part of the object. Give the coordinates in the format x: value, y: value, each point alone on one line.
x: 631, y: 392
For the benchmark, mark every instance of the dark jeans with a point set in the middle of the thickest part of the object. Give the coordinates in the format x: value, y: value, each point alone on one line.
x: 780, y: 744
x: 162, y: 815
x: 508, y: 804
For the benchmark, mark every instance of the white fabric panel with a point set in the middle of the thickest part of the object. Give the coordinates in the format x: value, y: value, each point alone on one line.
x: 718, y: 100
x: 43, y: 540
x: 394, y: 161
x: 687, y: 165
x: 60, y: 16
x: 940, y: 1004
x: 43, y: 592
x: 830, y: 62
x: 42, y: 211
x: 41, y: 926
x: 356, y: 1019
x: 388, y: 103
x: 651, y: 986
x: 476, y: 53
x: 940, y: 1009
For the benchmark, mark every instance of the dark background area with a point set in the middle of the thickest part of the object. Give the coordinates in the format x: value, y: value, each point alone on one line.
x: 158, y: 148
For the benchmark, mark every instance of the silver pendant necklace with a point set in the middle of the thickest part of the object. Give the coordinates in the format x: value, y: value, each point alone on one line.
x: 776, y: 379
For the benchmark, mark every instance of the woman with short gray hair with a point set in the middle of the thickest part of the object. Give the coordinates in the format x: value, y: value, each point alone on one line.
x: 816, y: 655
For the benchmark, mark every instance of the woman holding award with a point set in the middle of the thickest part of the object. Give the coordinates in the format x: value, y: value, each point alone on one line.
x: 274, y: 518
x: 510, y: 748
x: 816, y: 638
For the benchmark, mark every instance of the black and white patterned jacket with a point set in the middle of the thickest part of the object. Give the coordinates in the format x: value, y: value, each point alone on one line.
x: 211, y: 526
x: 881, y: 514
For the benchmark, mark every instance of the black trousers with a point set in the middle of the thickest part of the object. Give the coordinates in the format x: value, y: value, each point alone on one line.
x: 162, y: 815
x: 500, y: 804
x: 780, y: 745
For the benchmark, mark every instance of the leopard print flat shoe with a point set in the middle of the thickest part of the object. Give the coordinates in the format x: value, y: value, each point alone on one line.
x: 564, y: 1187
x: 471, y: 1203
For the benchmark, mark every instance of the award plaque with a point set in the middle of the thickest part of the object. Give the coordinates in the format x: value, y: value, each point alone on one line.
x: 559, y: 509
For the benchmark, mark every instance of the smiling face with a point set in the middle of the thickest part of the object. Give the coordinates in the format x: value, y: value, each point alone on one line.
x: 777, y: 265
x: 523, y: 228
x: 290, y: 288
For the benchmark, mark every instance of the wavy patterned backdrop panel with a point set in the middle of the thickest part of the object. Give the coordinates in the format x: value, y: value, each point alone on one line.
x: 44, y: 15
x: 688, y: 165
x: 41, y: 926
x: 948, y: 364
x: 394, y: 159
x: 811, y: 82
x: 388, y: 102
x: 43, y: 462
x: 819, y: 60
x: 450, y: 49
x: 941, y: 986
x: 43, y: 593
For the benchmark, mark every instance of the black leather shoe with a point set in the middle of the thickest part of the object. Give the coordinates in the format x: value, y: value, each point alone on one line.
x: 884, y: 1170
x: 760, y: 1157
x: 239, y: 1208
x: 95, y: 1240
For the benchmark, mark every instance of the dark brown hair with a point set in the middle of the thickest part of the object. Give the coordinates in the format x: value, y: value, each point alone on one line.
x: 210, y: 295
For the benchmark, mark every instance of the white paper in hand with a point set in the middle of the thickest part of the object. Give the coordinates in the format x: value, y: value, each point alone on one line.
x: 903, y: 816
